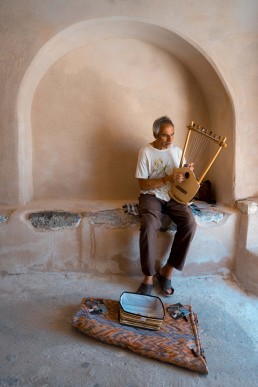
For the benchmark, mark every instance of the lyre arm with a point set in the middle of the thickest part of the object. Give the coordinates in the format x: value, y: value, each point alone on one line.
x: 221, y: 145
x: 185, y: 145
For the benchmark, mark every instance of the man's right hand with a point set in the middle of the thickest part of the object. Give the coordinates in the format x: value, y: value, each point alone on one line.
x: 175, y: 177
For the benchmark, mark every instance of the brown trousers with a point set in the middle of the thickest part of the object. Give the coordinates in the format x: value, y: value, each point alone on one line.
x: 151, y: 209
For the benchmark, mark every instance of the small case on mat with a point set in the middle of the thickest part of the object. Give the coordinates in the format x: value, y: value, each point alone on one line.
x: 141, y: 311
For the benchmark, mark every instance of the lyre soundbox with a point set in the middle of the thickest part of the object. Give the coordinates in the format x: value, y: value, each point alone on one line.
x: 185, y: 191
x: 199, y: 143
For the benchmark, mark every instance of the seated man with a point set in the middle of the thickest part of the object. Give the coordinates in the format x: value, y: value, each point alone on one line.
x: 155, y: 170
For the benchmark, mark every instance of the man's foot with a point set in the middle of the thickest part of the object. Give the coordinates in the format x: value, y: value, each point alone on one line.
x: 145, y: 289
x: 165, y: 285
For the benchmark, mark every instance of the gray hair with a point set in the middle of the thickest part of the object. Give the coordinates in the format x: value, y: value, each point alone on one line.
x: 159, y: 122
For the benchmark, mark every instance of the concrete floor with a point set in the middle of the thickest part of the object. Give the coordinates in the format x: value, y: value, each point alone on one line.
x: 39, y: 347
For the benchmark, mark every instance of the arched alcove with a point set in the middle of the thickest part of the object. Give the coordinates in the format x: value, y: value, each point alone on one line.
x: 88, y: 100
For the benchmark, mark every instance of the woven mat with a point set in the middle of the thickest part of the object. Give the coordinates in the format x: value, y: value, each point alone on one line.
x: 177, y: 342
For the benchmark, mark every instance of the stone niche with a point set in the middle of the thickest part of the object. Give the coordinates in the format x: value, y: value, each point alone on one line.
x: 88, y: 100
x: 85, y: 107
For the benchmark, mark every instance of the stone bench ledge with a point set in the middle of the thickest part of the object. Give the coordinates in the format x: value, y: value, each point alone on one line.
x: 248, y: 206
x: 57, y: 219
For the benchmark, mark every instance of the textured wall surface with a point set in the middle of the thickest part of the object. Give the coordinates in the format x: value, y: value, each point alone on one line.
x: 100, y: 238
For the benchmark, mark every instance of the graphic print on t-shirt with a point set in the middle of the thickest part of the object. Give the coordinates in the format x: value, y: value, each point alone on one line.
x: 159, y: 169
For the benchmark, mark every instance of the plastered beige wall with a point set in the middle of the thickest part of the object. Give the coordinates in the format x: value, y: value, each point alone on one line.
x: 94, y: 109
x: 221, y: 34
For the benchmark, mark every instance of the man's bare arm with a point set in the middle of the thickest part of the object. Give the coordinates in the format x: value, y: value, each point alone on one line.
x: 146, y: 184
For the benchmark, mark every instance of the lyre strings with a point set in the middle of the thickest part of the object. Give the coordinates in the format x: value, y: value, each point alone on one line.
x: 201, y: 147
x: 198, y: 151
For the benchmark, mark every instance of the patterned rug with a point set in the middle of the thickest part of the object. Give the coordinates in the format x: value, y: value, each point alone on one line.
x: 177, y: 342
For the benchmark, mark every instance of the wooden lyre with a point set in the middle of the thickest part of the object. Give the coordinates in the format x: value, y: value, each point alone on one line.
x: 198, y: 143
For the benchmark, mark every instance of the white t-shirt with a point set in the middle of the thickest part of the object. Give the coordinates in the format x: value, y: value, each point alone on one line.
x: 155, y: 163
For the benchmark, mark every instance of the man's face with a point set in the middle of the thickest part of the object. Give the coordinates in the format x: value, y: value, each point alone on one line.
x: 166, y: 136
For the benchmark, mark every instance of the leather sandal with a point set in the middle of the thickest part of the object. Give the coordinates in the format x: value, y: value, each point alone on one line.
x: 145, y: 289
x: 165, y: 285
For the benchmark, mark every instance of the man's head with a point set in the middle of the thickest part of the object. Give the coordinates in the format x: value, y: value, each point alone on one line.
x: 159, y: 123
x: 163, y: 131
